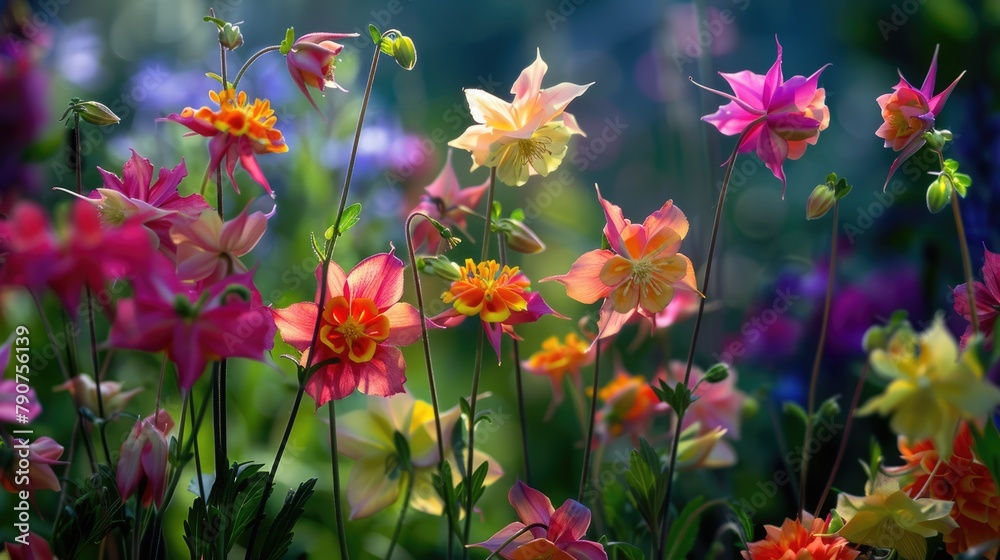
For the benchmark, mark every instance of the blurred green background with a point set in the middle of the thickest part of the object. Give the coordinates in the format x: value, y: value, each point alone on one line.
x: 644, y: 144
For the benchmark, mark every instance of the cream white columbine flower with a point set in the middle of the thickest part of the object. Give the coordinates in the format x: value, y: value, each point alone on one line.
x: 527, y: 136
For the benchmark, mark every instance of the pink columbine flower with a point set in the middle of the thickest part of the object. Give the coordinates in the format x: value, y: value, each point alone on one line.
x: 36, y: 548
x: 144, y: 457
x: 311, y: 61
x: 209, y: 250
x: 193, y: 325
x: 641, y: 271
x: 362, y: 325
x: 560, y: 538
x: 31, y: 465
x: 909, y: 113
x: 987, y: 295
x: 781, y: 117
x: 83, y: 389
x: 28, y: 247
x: 10, y: 398
x: 447, y: 203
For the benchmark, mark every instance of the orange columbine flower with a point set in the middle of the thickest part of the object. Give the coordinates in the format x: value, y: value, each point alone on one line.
x: 629, y: 406
x: 800, y: 540
x: 239, y: 131
x: 498, y: 295
x: 962, y: 479
x: 555, y: 360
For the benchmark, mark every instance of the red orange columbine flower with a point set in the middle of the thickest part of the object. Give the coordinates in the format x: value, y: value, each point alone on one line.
x: 557, y: 359
x: 362, y: 324
x: 630, y: 404
x: 499, y: 296
x: 311, y: 61
x: 239, y: 131
x: 640, y: 272
x: 799, y: 540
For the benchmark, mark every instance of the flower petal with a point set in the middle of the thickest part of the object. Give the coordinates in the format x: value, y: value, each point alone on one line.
x: 378, y: 278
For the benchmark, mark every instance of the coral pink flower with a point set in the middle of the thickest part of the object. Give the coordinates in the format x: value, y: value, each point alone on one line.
x: 560, y: 538
x: 558, y: 359
x: 143, y: 460
x: 209, y: 250
x: 909, y: 113
x: 498, y: 295
x: 36, y: 548
x: 641, y: 271
x: 310, y: 62
x: 83, y: 389
x: 781, y: 117
x: 239, y: 131
x: 987, y: 295
x: 447, y: 203
x: 9, y: 410
x: 363, y: 322
x: 629, y: 407
x: 193, y: 325
x: 800, y: 540
x: 718, y: 405
x: 527, y: 136
x: 31, y: 465
x: 28, y: 247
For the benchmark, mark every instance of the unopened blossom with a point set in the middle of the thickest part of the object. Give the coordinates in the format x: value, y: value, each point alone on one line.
x: 805, y: 538
x: 557, y: 359
x: 311, y: 62
x: 909, y: 113
x: 525, y: 137
x: 987, y: 294
x: 362, y: 326
x: 378, y: 478
x: 498, y: 295
x: 562, y: 534
x: 778, y: 118
x: 448, y: 203
x: 641, y: 271
x: 38, y: 455
x: 209, y: 249
x: 704, y: 449
x: 144, y: 458
x: 239, y: 131
x: 83, y: 389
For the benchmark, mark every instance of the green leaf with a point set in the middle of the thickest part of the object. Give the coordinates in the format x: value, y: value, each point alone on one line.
x: 352, y: 214
x: 797, y: 411
x: 402, y: 449
x: 746, y: 523
x: 987, y: 447
x: 214, y: 20
x: 279, y: 536
x: 517, y: 215
x: 679, y: 397
x: 951, y: 165
x: 288, y: 42
x: 962, y: 183
x: 842, y: 188
x: 625, y: 551
x: 374, y: 33
x: 874, y: 460
x: 683, y: 530
x: 386, y: 47
x: 497, y: 209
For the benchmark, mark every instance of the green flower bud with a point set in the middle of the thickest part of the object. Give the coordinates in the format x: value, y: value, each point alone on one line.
x: 440, y: 266
x: 404, y: 52
x: 717, y: 373
x: 230, y: 36
x: 96, y: 113
x: 820, y: 201
x: 939, y: 193
x: 874, y: 338
x: 520, y: 237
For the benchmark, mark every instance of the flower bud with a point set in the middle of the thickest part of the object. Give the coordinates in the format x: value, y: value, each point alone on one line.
x: 230, y: 36
x: 939, y: 193
x: 440, y: 266
x: 820, y: 201
x: 829, y: 408
x: 936, y: 139
x: 96, y: 113
x: 717, y: 373
x: 404, y: 52
x: 519, y: 237
x: 874, y: 338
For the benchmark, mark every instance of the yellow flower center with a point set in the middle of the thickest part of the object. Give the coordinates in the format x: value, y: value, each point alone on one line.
x: 488, y: 290
x: 531, y: 149
x: 352, y: 330
x: 236, y: 117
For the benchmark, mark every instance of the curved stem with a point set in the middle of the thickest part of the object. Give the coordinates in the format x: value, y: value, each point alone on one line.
x: 664, y: 527
x: 246, y: 65
x: 402, y: 514
x: 964, y: 247
x: 593, y: 416
x: 522, y: 415
x: 814, y: 378
x: 428, y: 362
x: 338, y: 508
x: 843, y: 441
x: 472, y: 440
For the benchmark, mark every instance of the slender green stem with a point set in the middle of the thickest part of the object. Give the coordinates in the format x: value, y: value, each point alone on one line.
x: 593, y: 416
x: 472, y: 440
x: 97, y: 374
x: 77, y: 153
x: 197, y: 457
x: 219, y: 412
x: 513, y: 538
x: 970, y: 290
x: 522, y: 415
x: 338, y: 506
x: 814, y: 378
x: 843, y: 440
x: 251, y: 60
x: 428, y: 363
x: 402, y: 514
x: 489, y: 213
x: 664, y: 526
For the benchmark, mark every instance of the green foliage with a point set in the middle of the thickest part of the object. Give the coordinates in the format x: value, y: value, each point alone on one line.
x: 679, y: 397
x: 279, y: 535
x: 212, y: 528
x: 621, y: 550
x: 987, y: 447
x: 647, y: 484
x: 288, y: 41
x: 684, y: 529
x: 96, y: 511
x: 350, y: 217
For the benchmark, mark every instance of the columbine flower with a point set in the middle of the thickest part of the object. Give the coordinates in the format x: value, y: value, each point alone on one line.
x: 29, y: 247
x: 310, y: 62
x: 447, y: 203
x: 962, y: 479
x: 239, y: 131
x: 193, y: 325
x: 144, y: 460
x: 525, y: 137
x: 629, y: 406
x: 363, y: 322
x: 560, y: 538
x: 781, y: 116
x: 931, y: 388
x: 704, y: 449
x: 499, y: 296
x: 640, y: 272
x: 40, y: 455
x: 83, y: 389
x: 557, y: 359
x: 209, y: 250
x: 887, y: 517
x: 804, y: 538
x: 909, y: 113
x: 987, y: 295
x: 378, y: 478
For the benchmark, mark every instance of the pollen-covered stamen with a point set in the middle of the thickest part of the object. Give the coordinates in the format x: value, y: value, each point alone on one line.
x: 353, y: 329
x: 532, y: 148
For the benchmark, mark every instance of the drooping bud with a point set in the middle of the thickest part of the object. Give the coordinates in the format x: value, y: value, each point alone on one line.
x: 404, y: 52
x: 939, y: 193
x: 520, y: 237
